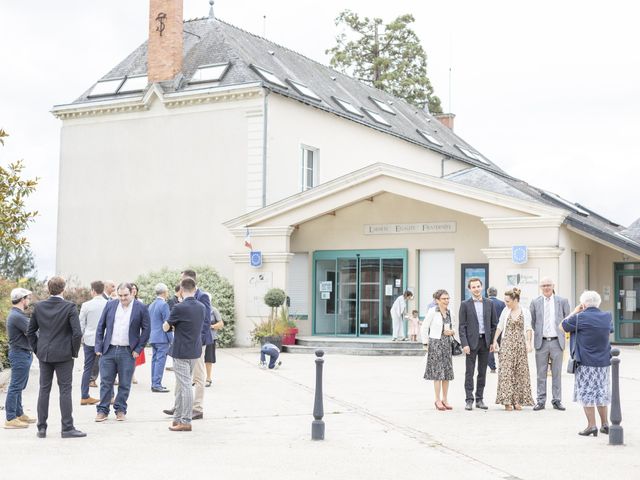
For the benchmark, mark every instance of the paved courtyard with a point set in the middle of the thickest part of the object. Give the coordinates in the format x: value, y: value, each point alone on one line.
x: 380, y: 424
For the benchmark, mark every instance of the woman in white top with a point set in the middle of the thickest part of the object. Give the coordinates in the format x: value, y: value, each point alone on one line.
x: 437, y: 332
x: 514, y: 384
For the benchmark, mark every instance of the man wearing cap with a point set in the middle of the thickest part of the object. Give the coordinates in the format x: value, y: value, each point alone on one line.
x: 20, y: 356
x: 54, y: 334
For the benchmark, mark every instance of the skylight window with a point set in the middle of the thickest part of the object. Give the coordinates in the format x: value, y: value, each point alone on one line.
x: 383, y: 106
x: 566, y: 203
x: 210, y: 73
x: 106, y: 87
x: 268, y: 76
x: 347, y: 107
x: 133, y: 84
x: 430, y: 138
x: 304, y: 90
x: 376, y: 117
x: 471, y: 154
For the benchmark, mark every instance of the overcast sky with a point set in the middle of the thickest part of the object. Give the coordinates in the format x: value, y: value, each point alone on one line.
x: 548, y: 90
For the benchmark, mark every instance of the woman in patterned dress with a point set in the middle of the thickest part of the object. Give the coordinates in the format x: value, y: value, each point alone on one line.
x: 514, y: 384
x: 590, y: 328
x: 437, y: 330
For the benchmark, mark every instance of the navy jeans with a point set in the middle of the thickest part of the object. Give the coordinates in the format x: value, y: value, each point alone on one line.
x: 89, y: 360
x: 273, y: 355
x: 158, y: 361
x: 117, y: 361
x: 20, y: 364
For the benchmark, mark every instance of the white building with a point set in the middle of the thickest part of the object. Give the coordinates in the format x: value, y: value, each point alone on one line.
x: 350, y: 194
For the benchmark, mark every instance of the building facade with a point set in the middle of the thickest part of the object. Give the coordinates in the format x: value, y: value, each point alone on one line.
x: 350, y: 195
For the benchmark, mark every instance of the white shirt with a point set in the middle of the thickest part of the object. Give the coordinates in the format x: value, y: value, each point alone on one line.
x: 399, y: 307
x: 89, y: 316
x: 549, y: 329
x: 121, y: 325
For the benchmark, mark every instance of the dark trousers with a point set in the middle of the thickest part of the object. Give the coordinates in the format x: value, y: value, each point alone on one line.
x: 64, y: 375
x: 89, y: 362
x: 117, y: 361
x: 481, y: 353
x: 273, y: 355
x: 95, y: 371
x: 20, y: 364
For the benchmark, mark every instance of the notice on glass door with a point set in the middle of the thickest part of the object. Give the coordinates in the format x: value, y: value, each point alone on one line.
x: 388, y: 290
x: 630, y: 301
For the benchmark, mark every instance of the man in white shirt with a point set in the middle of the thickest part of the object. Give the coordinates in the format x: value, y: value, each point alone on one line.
x: 547, y: 312
x: 122, y: 332
x: 90, y: 313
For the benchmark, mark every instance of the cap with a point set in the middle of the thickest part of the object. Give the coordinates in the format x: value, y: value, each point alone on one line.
x: 19, y: 294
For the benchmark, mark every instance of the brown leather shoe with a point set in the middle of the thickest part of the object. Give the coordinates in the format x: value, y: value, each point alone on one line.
x: 101, y: 417
x: 89, y: 401
x: 180, y: 427
x: 121, y: 416
x: 197, y: 415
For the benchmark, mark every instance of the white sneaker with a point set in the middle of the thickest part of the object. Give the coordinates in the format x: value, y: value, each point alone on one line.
x: 277, y: 365
x: 263, y: 365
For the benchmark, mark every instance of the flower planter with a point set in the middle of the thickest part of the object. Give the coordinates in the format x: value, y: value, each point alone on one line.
x: 289, y: 337
x: 275, y: 340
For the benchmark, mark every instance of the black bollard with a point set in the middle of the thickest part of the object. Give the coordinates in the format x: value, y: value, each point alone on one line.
x: 317, y: 426
x: 616, y: 433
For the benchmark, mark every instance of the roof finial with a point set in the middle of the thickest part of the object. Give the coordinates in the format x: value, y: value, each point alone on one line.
x: 211, y: 8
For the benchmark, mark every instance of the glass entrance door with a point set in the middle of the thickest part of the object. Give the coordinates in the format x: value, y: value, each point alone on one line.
x: 354, y: 291
x: 627, y: 310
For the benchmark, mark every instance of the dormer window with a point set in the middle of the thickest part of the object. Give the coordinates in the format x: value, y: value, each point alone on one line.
x: 471, y: 154
x: 304, y: 90
x: 269, y: 76
x: 347, y: 107
x: 428, y: 137
x: 210, y: 73
x: 134, y: 84
x: 106, y: 87
x: 376, y: 117
x: 383, y: 106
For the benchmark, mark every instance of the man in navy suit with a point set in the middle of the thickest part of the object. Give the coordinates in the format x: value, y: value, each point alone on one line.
x: 477, y: 325
x: 122, y: 332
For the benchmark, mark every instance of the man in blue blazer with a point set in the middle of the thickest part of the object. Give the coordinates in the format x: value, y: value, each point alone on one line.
x: 477, y: 325
x: 160, y: 340
x: 122, y: 332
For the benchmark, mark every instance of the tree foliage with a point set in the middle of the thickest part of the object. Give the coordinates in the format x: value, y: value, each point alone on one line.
x: 14, y: 216
x: 389, y: 57
x: 17, y: 264
x: 210, y: 281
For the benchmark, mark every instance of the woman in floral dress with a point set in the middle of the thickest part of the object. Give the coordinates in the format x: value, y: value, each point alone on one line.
x: 514, y: 384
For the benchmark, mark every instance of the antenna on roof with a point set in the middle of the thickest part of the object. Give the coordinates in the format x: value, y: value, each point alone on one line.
x: 211, y: 2
x: 264, y: 26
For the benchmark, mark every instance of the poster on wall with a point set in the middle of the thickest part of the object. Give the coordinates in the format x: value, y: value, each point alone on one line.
x: 526, y: 279
x: 470, y: 270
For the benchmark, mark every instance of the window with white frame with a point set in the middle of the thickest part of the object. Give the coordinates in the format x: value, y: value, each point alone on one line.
x: 309, y: 168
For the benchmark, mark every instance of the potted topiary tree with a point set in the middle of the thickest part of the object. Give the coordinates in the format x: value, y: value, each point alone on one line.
x: 273, y: 329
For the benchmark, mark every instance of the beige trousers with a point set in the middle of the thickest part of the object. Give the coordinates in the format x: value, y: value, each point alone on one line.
x: 199, y: 377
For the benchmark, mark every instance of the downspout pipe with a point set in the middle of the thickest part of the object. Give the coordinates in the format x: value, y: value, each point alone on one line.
x: 265, y: 111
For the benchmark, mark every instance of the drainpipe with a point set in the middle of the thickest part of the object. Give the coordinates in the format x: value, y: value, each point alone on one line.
x: 264, y: 147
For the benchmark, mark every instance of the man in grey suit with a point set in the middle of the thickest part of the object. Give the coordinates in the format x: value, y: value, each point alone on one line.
x: 477, y: 326
x: 547, y: 312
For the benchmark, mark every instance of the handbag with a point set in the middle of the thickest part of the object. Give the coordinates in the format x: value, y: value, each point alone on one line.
x: 573, y: 363
x: 456, y: 348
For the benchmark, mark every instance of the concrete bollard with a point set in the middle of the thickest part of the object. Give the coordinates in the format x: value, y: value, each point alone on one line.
x: 616, y: 433
x: 317, y: 426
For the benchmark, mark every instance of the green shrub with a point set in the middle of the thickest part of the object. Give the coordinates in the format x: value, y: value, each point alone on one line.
x: 210, y: 281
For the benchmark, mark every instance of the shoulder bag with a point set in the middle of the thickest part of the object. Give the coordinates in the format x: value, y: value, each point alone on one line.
x: 573, y: 363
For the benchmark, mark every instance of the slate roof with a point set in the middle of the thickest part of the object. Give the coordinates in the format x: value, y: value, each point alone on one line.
x: 212, y: 41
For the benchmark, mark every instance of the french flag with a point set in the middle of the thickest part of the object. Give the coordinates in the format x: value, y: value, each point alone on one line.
x: 247, y: 240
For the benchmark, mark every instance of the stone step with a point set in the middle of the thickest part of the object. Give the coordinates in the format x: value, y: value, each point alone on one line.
x: 363, y: 343
x: 363, y: 349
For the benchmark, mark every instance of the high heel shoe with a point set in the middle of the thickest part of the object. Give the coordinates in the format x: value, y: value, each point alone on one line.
x: 604, y: 429
x: 439, y: 405
x: 447, y: 406
x: 508, y: 408
x: 517, y: 407
x: 589, y: 431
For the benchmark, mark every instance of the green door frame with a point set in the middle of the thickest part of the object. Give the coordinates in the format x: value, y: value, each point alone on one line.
x: 619, y: 270
x: 402, y: 253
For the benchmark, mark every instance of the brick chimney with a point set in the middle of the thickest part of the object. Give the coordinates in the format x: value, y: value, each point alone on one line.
x: 164, y: 54
x: 446, y: 119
